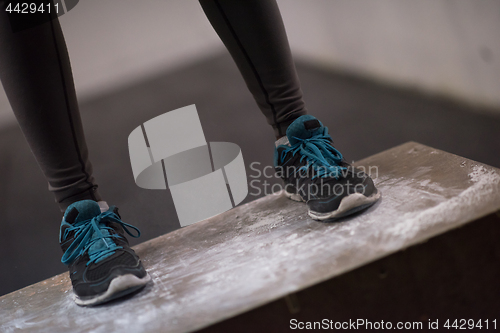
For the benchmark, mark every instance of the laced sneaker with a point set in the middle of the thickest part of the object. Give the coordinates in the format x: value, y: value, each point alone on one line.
x: 101, y: 264
x: 315, y: 172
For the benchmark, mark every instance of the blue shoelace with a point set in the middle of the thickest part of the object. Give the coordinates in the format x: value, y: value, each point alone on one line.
x: 319, y: 154
x: 84, y: 230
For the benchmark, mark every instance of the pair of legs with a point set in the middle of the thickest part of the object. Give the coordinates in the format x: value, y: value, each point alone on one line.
x: 36, y: 74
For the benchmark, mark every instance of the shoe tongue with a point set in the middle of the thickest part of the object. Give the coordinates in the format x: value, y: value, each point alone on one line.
x: 304, y: 127
x: 81, y: 211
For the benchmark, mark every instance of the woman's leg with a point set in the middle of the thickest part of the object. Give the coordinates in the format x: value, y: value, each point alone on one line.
x: 36, y: 74
x: 254, y: 34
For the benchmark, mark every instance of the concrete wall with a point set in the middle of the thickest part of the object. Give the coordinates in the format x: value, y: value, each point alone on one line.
x: 450, y: 47
x: 447, y: 47
x: 113, y: 43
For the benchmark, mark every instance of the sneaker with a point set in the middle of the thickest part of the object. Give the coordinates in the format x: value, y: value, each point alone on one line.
x: 101, y: 264
x: 315, y: 172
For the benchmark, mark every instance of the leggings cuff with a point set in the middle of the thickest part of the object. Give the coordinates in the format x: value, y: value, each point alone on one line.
x: 90, y: 194
x: 280, y: 129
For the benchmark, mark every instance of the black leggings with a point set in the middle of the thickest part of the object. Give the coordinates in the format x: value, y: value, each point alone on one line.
x: 36, y: 74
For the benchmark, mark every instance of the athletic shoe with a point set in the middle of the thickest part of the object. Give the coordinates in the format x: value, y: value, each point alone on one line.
x: 101, y: 264
x: 314, y: 171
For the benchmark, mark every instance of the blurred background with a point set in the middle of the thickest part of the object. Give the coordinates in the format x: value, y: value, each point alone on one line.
x: 378, y: 73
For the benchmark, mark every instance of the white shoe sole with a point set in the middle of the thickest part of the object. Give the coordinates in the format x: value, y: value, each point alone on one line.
x: 119, y: 286
x: 349, y: 205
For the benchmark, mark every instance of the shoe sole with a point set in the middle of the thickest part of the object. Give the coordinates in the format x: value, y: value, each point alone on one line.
x: 349, y: 205
x: 118, y: 287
